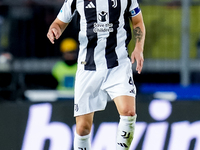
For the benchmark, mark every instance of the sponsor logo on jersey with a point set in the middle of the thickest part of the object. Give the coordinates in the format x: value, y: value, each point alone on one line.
x: 98, y: 27
x: 103, y: 16
x: 102, y: 26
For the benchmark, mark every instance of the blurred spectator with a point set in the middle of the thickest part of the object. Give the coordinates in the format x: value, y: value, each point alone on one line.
x: 64, y: 71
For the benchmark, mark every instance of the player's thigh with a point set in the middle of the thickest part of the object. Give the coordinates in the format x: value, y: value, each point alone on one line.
x: 125, y: 105
x: 84, y: 124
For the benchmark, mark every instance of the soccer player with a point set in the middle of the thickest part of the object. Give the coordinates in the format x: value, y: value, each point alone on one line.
x: 104, y: 68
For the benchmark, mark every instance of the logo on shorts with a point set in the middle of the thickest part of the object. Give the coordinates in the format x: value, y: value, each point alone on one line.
x: 130, y: 81
x: 75, y: 107
x: 132, y: 91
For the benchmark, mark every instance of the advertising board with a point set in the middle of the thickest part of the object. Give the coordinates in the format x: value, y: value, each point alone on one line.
x: 161, y: 125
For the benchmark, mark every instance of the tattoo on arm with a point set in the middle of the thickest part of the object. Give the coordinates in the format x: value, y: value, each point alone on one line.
x: 137, y: 34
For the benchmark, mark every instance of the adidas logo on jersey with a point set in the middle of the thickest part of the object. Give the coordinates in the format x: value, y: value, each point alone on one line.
x: 90, y: 5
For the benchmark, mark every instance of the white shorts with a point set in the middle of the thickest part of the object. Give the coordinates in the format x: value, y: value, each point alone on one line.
x: 92, y: 88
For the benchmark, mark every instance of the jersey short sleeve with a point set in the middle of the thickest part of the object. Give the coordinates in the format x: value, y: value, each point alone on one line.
x: 67, y: 11
x: 134, y: 8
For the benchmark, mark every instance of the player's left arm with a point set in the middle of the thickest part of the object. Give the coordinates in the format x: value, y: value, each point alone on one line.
x: 139, y: 35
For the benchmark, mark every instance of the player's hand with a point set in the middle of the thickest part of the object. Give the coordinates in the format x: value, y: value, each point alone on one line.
x: 53, y: 34
x: 138, y: 56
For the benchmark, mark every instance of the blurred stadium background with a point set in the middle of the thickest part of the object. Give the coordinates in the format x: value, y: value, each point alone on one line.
x: 171, y: 72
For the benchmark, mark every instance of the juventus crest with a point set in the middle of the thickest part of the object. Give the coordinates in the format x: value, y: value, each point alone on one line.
x: 114, y: 5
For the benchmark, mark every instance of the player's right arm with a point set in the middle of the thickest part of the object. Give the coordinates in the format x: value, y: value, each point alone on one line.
x: 56, y: 29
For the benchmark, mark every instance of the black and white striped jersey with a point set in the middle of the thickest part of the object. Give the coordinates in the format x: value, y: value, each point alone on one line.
x: 104, y: 30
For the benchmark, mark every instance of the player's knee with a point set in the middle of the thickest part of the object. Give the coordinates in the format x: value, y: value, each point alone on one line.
x: 128, y: 112
x: 83, y: 129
